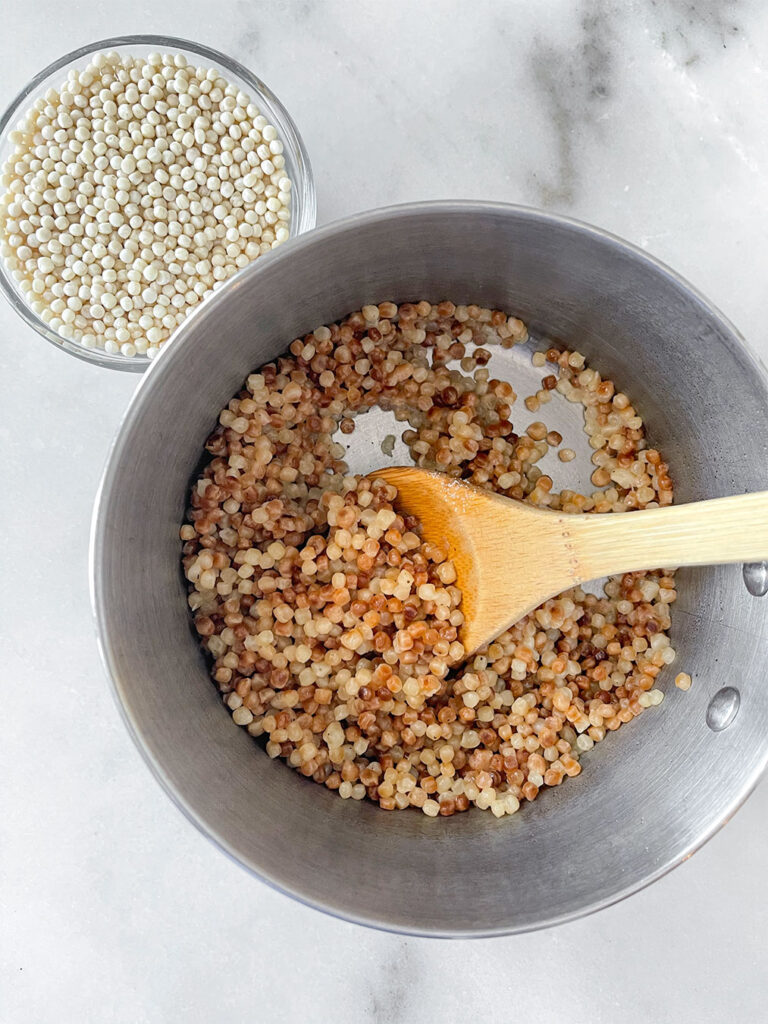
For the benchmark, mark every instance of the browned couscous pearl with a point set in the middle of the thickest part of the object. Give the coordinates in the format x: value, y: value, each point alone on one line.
x: 332, y: 628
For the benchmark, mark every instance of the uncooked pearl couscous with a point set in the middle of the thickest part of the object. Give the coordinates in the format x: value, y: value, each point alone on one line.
x: 332, y: 627
x: 134, y: 189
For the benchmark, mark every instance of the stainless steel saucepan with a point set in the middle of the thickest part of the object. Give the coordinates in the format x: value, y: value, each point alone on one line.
x: 651, y: 793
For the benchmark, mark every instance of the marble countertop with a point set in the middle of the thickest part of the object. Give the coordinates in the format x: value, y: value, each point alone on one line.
x: 644, y: 117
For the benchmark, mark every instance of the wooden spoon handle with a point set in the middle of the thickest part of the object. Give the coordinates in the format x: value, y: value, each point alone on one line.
x: 733, y: 529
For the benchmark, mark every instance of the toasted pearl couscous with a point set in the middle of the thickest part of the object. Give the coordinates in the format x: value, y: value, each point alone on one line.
x: 331, y: 625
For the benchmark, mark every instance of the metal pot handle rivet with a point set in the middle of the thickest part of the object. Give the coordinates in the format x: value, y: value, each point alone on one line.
x: 756, y: 578
x: 723, y: 708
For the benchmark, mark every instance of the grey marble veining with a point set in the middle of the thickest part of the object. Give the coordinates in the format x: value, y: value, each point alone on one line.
x: 645, y: 117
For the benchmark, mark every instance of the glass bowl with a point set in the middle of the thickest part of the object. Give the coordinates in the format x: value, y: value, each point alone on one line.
x: 297, y: 166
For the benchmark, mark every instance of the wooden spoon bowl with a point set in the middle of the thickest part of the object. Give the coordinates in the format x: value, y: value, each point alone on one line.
x: 510, y: 557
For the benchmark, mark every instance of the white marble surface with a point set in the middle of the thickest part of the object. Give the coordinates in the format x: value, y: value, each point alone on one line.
x: 644, y: 117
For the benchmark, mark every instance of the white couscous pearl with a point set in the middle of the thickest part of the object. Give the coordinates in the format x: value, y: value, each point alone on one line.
x: 134, y: 189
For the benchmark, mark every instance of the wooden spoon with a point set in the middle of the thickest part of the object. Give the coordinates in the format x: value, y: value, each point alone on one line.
x: 510, y: 557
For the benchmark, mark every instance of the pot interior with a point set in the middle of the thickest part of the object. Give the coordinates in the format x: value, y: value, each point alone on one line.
x: 650, y: 793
